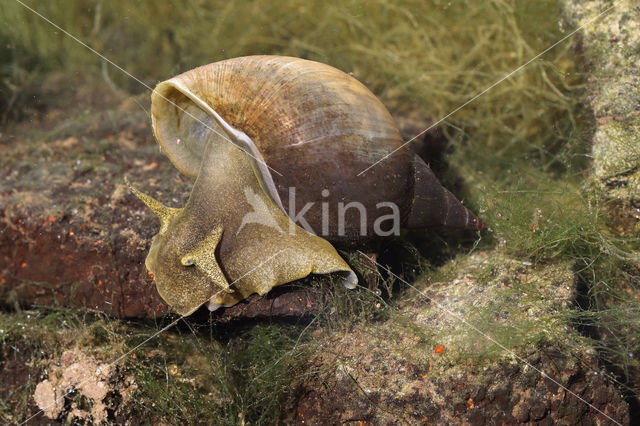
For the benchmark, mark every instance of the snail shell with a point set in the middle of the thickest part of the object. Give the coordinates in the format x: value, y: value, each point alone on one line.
x: 271, y: 137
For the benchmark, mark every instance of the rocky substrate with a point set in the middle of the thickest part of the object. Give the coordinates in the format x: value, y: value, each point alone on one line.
x: 381, y: 389
x: 610, y: 57
x: 487, y: 347
x: 70, y: 234
x: 490, y: 344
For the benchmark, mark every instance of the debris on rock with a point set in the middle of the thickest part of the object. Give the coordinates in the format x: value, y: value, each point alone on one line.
x: 79, y: 387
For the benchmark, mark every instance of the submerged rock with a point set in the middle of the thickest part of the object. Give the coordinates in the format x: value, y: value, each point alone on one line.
x: 491, y: 346
x: 612, y: 62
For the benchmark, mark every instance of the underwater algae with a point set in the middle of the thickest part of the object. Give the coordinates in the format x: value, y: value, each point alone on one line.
x: 182, y: 374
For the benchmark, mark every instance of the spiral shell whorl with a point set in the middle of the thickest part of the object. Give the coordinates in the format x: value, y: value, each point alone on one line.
x: 281, y: 101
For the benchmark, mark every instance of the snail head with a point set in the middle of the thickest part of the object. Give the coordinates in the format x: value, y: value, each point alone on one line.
x: 181, y: 260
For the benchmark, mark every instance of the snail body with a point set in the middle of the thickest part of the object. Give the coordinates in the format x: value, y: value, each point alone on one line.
x: 277, y: 146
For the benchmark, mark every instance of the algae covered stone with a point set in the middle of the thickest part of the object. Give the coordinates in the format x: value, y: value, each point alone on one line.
x: 612, y: 60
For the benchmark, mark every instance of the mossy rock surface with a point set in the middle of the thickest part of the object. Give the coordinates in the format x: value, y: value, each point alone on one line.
x: 489, y: 343
x: 485, y: 347
x: 611, y: 57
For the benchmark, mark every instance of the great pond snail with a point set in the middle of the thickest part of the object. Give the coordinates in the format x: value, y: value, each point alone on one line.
x: 277, y: 146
